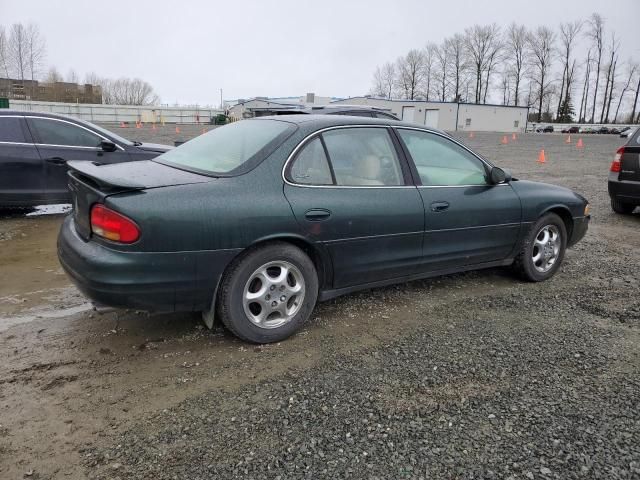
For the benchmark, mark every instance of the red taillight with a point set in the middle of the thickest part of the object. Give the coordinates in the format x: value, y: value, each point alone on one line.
x: 111, y: 225
x: 616, y: 165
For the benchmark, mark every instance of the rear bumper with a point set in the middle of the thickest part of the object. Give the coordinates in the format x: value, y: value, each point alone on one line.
x: 580, y: 227
x: 625, y: 191
x: 153, y: 281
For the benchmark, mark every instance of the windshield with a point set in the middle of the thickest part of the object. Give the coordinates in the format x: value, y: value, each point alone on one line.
x: 225, y: 149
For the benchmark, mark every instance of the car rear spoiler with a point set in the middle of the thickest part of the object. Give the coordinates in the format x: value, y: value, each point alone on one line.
x: 104, y: 177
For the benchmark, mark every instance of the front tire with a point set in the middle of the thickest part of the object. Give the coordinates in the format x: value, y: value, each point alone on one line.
x: 623, y: 208
x: 268, y: 293
x: 543, y: 249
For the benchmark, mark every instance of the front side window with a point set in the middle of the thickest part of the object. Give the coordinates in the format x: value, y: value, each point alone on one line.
x: 11, y: 130
x: 363, y: 157
x: 55, y: 132
x: 310, y: 166
x: 229, y: 149
x: 441, y: 162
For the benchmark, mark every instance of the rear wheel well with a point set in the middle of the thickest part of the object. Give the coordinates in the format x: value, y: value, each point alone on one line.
x: 303, y: 245
x: 566, y: 217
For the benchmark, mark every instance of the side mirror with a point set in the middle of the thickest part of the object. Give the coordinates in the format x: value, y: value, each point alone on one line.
x: 498, y: 175
x: 108, y: 146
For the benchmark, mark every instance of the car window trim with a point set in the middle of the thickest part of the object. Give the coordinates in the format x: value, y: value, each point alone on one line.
x: 308, y: 138
x: 486, y: 164
x: 27, y: 117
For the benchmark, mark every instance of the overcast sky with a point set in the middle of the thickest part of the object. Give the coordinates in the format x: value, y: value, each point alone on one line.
x: 189, y: 50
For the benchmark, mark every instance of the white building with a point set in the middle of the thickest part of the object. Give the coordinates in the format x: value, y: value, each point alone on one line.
x: 451, y: 116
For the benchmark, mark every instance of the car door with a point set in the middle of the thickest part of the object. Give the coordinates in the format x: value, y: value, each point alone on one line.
x: 59, y: 141
x: 468, y: 220
x: 349, y: 190
x: 21, y: 169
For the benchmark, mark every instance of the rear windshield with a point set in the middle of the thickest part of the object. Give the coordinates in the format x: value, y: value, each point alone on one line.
x: 229, y: 150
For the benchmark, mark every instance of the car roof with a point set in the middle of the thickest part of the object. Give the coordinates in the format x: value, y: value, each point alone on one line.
x: 59, y: 116
x: 312, y: 121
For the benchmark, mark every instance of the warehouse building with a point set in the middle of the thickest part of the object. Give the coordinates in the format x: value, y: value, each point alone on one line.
x: 451, y: 116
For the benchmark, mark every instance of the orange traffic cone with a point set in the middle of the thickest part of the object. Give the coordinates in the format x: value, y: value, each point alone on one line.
x: 505, y: 140
x: 177, y: 129
x: 568, y: 140
x: 123, y: 125
x: 579, y: 144
x: 153, y: 126
x: 541, y: 157
x: 470, y: 134
x: 204, y: 131
x: 513, y: 136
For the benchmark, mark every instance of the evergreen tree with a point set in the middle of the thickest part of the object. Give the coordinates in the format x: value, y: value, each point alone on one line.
x: 566, y: 112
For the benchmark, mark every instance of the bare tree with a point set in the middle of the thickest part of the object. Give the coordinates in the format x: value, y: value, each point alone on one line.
x: 127, y: 91
x: 568, y: 33
x: 611, y: 71
x: 457, y: 62
x: 480, y: 42
x: 541, y: 47
x: 411, y: 73
x: 585, y: 89
x: 441, y: 72
x: 19, y: 51
x: 53, y: 75
x: 635, y: 103
x: 384, y: 80
x: 515, y: 51
x: 596, y: 33
x: 495, y: 55
x: 429, y: 68
x: 72, y: 76
x: 4, y: 53
x: 632, y: 68
x: 36, y: 52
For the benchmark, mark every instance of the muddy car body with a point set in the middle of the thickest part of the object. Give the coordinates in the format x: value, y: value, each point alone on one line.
x: 320, y: 206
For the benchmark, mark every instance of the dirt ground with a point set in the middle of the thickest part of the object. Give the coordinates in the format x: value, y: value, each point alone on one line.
x: 477, y: 375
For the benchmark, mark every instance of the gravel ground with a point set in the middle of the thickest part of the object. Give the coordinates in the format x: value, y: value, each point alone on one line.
x: 476, y: 375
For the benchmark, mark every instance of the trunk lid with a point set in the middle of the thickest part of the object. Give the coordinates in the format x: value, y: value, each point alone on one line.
x: 630, y: 159
x: 91, y: 183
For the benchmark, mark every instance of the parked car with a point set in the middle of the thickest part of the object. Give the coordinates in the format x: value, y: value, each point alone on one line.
x: 544, y: 129
x: 624, y: 176
x: 602, y: 130
x: 35, y: 149
x: 257, y: 220
x: 573, y: 129
x: 353, y: 110
x: 627, y: 132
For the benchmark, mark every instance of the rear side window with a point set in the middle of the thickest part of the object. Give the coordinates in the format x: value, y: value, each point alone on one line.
x: 310, y: 166
x: 55, y: 132
x: 11, y: 130
x: 231, y: 149
x: 363, y: 157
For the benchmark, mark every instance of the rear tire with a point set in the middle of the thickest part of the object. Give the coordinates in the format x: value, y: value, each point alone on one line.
x: 542, y: 249
x: 268, y: 293
x: 623, y: 208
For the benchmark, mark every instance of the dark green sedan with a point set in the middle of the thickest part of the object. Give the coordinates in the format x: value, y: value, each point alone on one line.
x: 256, y: 221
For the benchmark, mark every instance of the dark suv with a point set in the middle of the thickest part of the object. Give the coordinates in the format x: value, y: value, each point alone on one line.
x: 352, y: 110
x: 624, y: 176
x: 35, y: 148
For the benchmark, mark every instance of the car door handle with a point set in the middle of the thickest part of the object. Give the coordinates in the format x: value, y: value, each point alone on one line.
x: 317, y: 214
x: 57, y: 160
x: 439, y: 206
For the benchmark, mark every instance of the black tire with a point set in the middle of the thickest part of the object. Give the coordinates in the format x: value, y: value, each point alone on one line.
x: 523, y: 263
x: 230, y: 299
x: 623, y: 208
